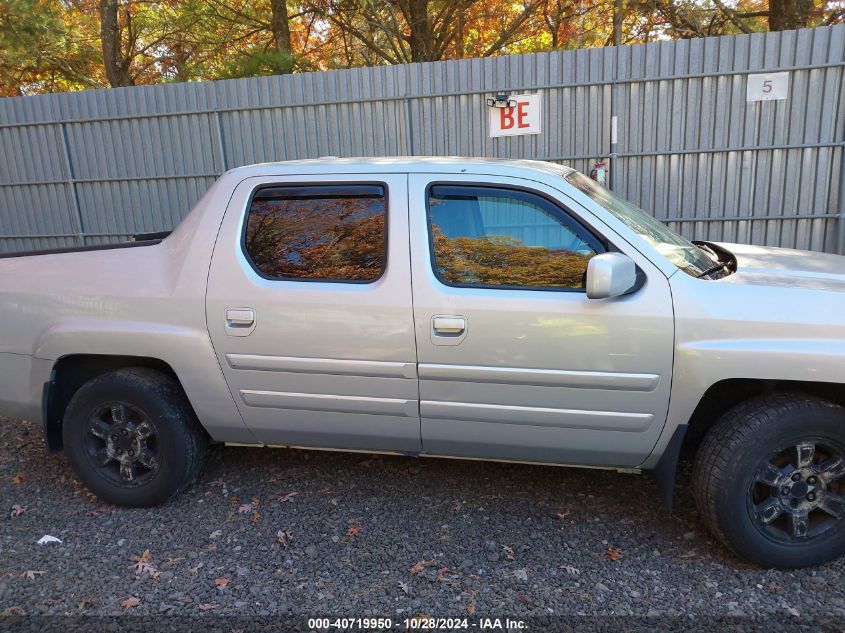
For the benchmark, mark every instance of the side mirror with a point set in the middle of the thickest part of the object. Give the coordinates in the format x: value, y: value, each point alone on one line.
x: 610, y: 275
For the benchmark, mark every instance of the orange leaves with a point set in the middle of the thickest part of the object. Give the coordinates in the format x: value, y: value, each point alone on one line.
x: 613, y: 553
x: 420, y: 566
x: 354, y: 529
x: 504, y: 261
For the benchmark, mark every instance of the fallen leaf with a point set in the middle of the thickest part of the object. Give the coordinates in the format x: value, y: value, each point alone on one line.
x: 613, y: 553
x: 130, y: 602
x: 418, y: 567
x: 216, y: 534
x: 288, y: 498
x: 10, y: 611
x: 30, y: 575
x: 572, y: 571
x: 256, y: 517
x: 208, y: 606
x: 333, y: 502
x: 85, y: 603
x: 146, y: 555
x: 222, y: 583
x: 284, y: 536
x: 405, y: 587
x: 522, y: 598
x: 563, y: 515
x: 246, y: 508
x: 17, y: 479
x: 354, y: 530
x: 442, y: 572
x: 508, y: 552
x: 793, y: 612
x: 195, y: 570
x: 17, y: 510
x: 48, y: 539
x: 146, y: 567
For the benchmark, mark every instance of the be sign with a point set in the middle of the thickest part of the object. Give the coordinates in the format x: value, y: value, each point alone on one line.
x: 523, y: 118
x: 767, y: 87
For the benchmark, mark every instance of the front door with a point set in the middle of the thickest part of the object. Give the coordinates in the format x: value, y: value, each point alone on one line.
x: 309, y: 310
x: 515, y: 362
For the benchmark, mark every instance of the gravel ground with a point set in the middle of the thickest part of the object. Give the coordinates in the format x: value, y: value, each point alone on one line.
x: 295, y: 534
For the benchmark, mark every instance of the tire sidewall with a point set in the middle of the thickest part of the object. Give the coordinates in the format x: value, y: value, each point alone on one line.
x: 820, y: 423
x: 164, y: 416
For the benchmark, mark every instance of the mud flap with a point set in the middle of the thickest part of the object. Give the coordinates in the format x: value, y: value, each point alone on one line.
x: 665, y: 471
x: 52, y: 427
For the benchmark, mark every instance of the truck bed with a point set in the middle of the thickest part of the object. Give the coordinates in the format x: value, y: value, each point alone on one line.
x: 143, y: 239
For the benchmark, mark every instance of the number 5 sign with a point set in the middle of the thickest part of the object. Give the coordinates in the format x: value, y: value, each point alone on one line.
x: 767, y: 87
x: 523, y: 118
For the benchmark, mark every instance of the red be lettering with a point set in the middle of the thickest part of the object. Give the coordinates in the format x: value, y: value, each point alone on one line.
x: 522, y: 114
x: 507, y: 118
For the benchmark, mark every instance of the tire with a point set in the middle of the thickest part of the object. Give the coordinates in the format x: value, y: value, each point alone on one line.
x: 761, y: 489
x: 132, y: 437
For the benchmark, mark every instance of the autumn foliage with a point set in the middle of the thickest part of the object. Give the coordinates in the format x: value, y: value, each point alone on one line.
x: 49, y: 46
x: 341, y: 239
x: 495, y: 260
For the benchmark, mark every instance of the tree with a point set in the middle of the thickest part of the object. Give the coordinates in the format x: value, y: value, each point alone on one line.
x: 789, y: 14
x: 404, y: 31
x: 52, y: 46
x: 42, y: 49
x: 680, y: 19
x: 117, y: 58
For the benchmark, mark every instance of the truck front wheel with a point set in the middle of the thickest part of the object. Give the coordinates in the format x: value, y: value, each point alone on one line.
x: 769, y: 480
x: 132, y: 437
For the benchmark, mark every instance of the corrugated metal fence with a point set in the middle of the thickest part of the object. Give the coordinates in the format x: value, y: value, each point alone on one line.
x: 96, y: 166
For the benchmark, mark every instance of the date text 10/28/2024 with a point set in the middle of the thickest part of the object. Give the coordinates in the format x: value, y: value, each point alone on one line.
x: 416, y: 624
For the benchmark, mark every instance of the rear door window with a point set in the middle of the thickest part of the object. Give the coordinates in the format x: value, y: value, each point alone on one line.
x: 318, y: 233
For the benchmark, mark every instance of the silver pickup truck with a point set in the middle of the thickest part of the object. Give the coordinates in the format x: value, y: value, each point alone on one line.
x: 504, y: 310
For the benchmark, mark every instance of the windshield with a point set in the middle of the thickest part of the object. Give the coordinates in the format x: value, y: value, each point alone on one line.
x: 684, y: 254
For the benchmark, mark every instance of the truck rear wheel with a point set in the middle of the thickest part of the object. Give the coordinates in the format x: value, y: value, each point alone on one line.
x: 132, y: 437
x: 769, y: 480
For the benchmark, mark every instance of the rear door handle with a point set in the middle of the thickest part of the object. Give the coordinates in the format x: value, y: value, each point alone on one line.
x: 449, y: 325
x: 240, y: 321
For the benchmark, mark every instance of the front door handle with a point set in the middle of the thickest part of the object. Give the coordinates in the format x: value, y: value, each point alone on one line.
x: 240, y: 321
x: 449, y: 325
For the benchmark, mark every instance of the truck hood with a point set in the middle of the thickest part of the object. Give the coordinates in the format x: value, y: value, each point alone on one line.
x: 767, y: 266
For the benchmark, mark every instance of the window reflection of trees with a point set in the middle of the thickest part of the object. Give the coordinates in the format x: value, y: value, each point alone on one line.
x: 330, y: 238
x: 495, y: 260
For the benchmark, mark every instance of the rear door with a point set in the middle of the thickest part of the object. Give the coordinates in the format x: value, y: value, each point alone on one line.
x: 515, y: 362
x: 309, y: 310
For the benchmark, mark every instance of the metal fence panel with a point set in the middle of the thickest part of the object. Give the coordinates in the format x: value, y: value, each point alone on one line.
x: 96, y: 166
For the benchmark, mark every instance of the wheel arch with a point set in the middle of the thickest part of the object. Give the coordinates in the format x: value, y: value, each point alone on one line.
x: 717, y: 400
x: 70, y: 372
